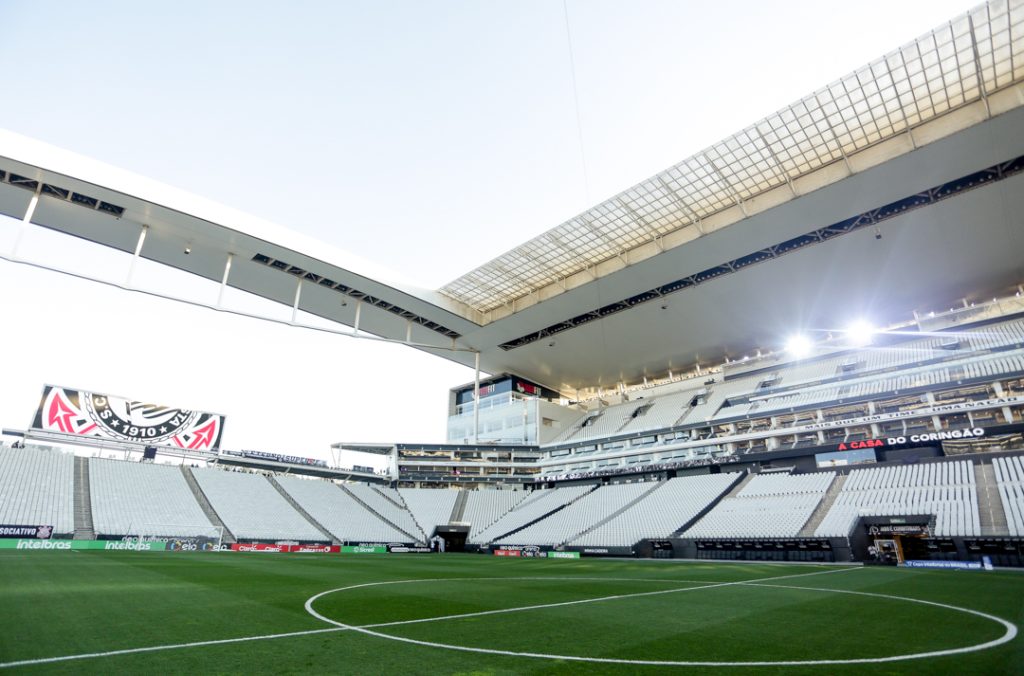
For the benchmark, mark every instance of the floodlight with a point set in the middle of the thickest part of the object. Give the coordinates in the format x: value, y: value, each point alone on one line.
x: 798, y: 345
x: 860, y: 332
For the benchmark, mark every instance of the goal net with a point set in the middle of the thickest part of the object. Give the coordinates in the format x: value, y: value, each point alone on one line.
x: 179, y: 536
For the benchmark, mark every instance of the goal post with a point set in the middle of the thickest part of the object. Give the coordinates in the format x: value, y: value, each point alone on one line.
x: 179, y: 536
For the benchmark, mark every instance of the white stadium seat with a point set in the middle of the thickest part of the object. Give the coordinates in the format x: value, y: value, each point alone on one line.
x: 252, y: 509
x: 37, y: 488
x: 132, y: 498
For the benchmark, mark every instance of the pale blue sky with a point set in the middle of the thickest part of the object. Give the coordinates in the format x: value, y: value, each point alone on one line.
x: 427, y: 137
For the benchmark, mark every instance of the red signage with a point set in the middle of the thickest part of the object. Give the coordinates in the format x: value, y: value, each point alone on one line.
x: 507, y: 552
x: 322, y: 549
x: 258, y: 547
x: 866, y: 443
x: 267, y: 547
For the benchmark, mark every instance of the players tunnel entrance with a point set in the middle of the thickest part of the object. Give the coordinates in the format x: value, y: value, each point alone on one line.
x: 454, y: 537
x: 891, y: 540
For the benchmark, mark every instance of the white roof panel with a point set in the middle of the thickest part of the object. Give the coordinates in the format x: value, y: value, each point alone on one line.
x: 964, y: 61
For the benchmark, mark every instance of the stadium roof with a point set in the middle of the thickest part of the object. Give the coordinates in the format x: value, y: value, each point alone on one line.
x: 684, y: 268
x: 969, y: 59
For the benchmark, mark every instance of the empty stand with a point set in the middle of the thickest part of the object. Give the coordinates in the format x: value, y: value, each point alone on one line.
x: 661, y: 513
x: 430, y: 507
x: 539, y: 504
x: 579, y: 516
x: 298, y: 508
x: 1010, y: 480
x: 484, y: 507
x: 252, y: 509
x: 664, y: 411
x: 204, y: 504
x: 37, y: 488
x: 338, y: 512
x: 387, y: 503
x: 944, y: 489
x: 132, y: 498
x: 768, y: 506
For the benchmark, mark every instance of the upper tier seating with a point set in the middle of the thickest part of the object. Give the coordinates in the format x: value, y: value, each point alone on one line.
x: 484, y: 507
x: 769, y: 506
x: 539, y: 503
x: 945, y: 489
x: 430, y: 507
x: 878, y: 370
x: 661, y: 513
x: 880, y: 384
x: 786, y: 484
x: 132, y: 498
x: 579, y: 516
x: 603, y: 422
x: 251, y: 507
x: 1010, y: 480
x: 37, y: 488
x: 664, y: 411
x: 338, y: 512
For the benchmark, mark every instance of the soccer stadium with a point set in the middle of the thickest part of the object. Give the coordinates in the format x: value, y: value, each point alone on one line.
x: 636, y: 479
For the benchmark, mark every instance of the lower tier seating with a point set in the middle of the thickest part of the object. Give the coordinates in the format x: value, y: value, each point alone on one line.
x: 661, y: 513
x: 37, y: 488
x: 252, y: 509
x: 945, y: 489
x: 132, y: 498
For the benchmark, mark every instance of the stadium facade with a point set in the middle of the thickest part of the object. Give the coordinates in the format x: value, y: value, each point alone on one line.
x: 639, y: 397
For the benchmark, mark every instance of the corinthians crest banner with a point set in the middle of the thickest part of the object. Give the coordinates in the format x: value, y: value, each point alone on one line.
x: 110, y: 417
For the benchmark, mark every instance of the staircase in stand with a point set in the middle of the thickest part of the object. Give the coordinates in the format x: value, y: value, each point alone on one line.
x: 732, y: 492
x: 545, y: 515
x: 83, y: 501
x: 371, y: 510
x: 378, y: 491
x: 305, y: 515
x: 204, y: 504
x: 642, y: 496
x: 991, y: 515
x: 459, y: 509
x: 821, y: 510
x: 404, y: 506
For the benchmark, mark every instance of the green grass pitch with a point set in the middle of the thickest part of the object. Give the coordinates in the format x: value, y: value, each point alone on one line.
x: 474, y: 614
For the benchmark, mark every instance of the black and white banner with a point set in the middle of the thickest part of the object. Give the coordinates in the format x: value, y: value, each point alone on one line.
x: 106, y: 416
x: 37, y: 532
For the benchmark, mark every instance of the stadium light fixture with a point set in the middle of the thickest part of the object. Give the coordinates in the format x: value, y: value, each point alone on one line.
x: 798, y: 345
x: 860, y: 333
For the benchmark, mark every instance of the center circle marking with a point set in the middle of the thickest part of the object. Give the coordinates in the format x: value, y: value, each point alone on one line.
x: 1009, y: 634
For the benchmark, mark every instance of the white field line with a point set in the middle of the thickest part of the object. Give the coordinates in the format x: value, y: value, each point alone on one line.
x: 614, y: 597
x: 155, y: 648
